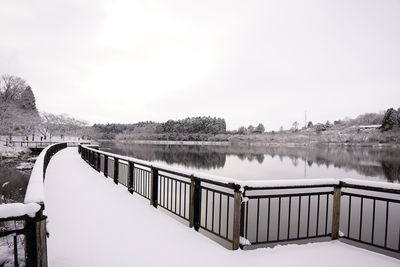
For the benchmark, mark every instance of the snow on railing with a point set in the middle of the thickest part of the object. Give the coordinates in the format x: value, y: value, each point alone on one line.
x: 35, y: 189
x: 30, y: 213
x: 11, y: 210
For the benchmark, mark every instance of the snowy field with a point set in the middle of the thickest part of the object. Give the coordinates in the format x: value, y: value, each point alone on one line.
x: 93, y: 222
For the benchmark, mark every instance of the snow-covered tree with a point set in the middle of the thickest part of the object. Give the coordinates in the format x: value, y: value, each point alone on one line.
x: 18, y: 113
x: 27, y: 100
x: 260, y: 128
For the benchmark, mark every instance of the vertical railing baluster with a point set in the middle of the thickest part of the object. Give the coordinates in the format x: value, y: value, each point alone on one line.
x: 16, y: 263
x: 154, y: 187
x: 361, y: 219
x: 298, y: 218
x: 176, y: 195
x: 195, y: 204
x: 227, y: 217
x: 386, y: 223
x: 131, y: 169
x: 268, y: 218
x: 220, y: 217
x: 258, y: 218
x: 206, y: 212
x: 213, y: 209
x: 246, y: 219
x: 308, y: 216
x: 349, y: 218
x: 336, y: 211
x: 373, y: 222
x: 105, y: 171
x: 185, y: 201
x: 180, y: 198
x: 279, y: 218
x: 326, y: 213
x: 98, y: 162
x: 290, y: 210
x: 317, y: 226
x: 237, y: 202
x: 116, y: 170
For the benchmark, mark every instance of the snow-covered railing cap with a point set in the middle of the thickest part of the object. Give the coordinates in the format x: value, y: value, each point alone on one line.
x: 371, y: 185
x: 35, y: 189
x: 14, y: 210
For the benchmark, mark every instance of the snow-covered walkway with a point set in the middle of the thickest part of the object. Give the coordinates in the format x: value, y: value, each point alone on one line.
x: 93, y: 222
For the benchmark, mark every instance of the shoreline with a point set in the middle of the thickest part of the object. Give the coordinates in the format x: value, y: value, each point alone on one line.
x: 254, y: 144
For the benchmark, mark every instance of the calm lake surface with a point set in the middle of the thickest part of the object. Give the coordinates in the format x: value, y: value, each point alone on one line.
x: 13, y: 184
x: 268, y: 163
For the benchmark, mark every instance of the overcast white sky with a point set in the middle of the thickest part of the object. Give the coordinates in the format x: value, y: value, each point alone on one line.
x: 246, y: 61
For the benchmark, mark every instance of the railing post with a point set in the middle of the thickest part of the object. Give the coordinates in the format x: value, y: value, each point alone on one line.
x: 131, y: 168
x: 195, y: 204
x: 154, y: 187
x: 116, y: 170
x: 105, y: 171
x: 98, y: 162
x: 336, y: 211
x: 36, y: 242
x: 237, y: 218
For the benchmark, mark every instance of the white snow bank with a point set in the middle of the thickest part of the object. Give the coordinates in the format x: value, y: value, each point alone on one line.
x: 25, y: 166
x: 12, y: 152
x: 18, y: 209
x: 35, y: 189
x: 115, y: 228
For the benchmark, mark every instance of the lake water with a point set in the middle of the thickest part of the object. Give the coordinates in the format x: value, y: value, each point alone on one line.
x: 13, y: 184
x: 268, y: 163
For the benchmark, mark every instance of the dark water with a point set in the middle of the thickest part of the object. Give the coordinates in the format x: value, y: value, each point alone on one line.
x: 13, y: 184
x: 263, y: 163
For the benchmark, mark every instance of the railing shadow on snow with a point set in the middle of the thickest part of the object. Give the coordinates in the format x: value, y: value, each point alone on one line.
x: 249, y: 214
x: 25, y: 222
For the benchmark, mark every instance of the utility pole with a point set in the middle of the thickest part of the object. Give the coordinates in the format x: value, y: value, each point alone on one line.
x: 305, y: 119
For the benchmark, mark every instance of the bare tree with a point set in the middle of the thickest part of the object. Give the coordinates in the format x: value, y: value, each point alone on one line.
x: 61, y: 124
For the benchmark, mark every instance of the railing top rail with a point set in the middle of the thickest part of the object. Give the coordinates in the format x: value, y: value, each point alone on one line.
x: 252, y: 185
x: 391, y: 188
x: 291, y: 184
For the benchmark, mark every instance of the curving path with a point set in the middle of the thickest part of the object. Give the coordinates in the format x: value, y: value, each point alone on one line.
x: 93, y: 222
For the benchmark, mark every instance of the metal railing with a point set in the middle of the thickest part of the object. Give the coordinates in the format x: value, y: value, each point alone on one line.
x: 371, y: 215
x: 42, y: 144
x: 282, y: 213
x: 250, y: 216
x: 31, y: 230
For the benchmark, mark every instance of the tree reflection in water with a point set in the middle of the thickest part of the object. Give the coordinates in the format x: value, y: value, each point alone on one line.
x: 367, y: 161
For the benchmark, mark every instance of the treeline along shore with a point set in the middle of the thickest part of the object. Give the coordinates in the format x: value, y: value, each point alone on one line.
x: 370, y: 129
x: 20, y: 116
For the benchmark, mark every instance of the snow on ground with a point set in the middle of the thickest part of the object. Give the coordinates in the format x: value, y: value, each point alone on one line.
x: 93, y: 222
x: 12, y: 152
x: 18, y: 209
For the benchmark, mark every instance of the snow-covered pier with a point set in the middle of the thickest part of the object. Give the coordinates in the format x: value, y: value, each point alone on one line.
x: 93, y: 222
